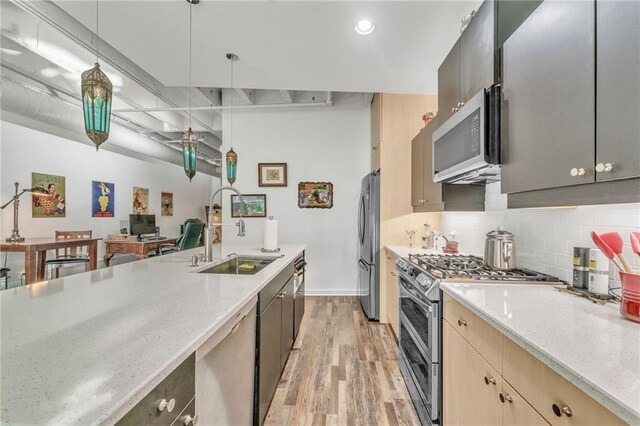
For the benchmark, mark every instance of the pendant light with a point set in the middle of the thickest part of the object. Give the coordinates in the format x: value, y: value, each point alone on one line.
x: 96, y: 99
x: 231, y: 156
x: 189, y: 139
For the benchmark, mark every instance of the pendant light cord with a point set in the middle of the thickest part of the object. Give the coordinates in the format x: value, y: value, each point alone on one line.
x: 190, y: 65
x: 97, y: 31
x: 232, y: 102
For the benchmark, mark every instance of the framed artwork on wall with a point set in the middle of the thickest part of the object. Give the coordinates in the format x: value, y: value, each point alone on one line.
x: 140, y: 200
x: 255, y: 205
x: 166, y: 204
x: 315, y: 195
x: 102, y: 199
x: 272, y: 174
x: 52, y: 204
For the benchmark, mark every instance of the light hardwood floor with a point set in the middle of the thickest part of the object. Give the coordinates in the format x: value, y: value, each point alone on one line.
x: 343, y: 370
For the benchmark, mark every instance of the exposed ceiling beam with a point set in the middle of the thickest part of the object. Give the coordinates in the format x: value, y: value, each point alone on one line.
x: 65, y: 24
x: 213, y: 95
x: 247, y: 95
x: 288, y: 95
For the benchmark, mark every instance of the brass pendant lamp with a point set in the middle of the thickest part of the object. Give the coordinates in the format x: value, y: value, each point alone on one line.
x: 189, y: 139
x: 231, y: 156
x: 96, y: 91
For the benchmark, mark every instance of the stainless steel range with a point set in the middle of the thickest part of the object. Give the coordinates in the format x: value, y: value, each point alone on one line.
x: 420, y: 322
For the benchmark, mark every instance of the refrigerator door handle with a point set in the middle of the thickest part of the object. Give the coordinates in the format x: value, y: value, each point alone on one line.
x: 361, y: 220
x: 363, y: 265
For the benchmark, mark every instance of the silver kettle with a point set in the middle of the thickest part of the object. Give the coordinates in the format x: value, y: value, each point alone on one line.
x: 500, y: 249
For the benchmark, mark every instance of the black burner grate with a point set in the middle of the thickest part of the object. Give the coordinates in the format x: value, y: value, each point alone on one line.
x: 456, y: 266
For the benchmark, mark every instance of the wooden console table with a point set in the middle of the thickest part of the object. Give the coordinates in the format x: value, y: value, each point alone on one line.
x: 139, y: 248
x: 35, y: 253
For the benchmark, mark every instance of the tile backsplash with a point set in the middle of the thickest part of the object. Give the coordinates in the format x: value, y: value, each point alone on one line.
x: 544, y: 237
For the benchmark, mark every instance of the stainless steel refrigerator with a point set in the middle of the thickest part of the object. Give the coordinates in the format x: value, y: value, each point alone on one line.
x: 369, y: 238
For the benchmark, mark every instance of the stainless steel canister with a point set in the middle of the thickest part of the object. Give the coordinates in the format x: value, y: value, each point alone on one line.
x: 500, y: 249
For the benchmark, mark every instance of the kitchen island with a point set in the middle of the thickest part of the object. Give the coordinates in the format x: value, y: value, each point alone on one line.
x: 589, y: 345
x: 85, y: 349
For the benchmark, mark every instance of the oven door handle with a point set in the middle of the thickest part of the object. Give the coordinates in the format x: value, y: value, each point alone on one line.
x: 413, y: 297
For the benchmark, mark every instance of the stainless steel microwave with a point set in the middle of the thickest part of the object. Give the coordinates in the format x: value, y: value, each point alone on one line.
x: 466, y: 147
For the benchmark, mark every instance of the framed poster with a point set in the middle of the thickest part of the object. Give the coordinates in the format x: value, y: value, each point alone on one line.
x: 272, y: 174
x: 255, y: 205
x: 140, y: 200
x: 166, y: 204
x: 52, y: 203
x: 102, y: 199
x: 315, y: 195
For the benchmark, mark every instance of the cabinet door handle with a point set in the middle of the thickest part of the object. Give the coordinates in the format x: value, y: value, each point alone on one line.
x: 559, y: 411
x: 163, y: 403
x: 506, y: 398
x: 577, y: 172
x: 489, y: 380
x: 602, y: 167
x: 282, y: 295
x: 188, y: 420
x: 462, y: 323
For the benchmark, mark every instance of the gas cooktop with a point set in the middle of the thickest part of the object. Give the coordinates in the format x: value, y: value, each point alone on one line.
x: 455, y: 266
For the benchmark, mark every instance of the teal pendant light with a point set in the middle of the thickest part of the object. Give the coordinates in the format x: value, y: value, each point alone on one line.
x: 231, y: 157
x: 189, y: 139
x: 96, y: 91
x: 189, y: 153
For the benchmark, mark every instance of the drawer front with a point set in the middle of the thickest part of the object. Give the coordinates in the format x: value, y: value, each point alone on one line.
x: 274, y: 287
x: 516, y: 410
x: 549, y: 393
x: 178, y: 385
x: 481, y: 336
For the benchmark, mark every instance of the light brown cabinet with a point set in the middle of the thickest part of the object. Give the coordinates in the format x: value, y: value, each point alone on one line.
x: 376, y: 131
x: 489, y: 379
x: 471, y: 387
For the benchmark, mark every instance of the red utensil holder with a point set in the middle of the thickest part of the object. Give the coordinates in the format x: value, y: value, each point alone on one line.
x: 630, y: 306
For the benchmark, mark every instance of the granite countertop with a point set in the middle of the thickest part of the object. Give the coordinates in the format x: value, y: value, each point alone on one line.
x: 85, y: 348
x: 590, y: 345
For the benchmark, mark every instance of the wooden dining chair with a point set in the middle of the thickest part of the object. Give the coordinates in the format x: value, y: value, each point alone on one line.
x: 69, y: 256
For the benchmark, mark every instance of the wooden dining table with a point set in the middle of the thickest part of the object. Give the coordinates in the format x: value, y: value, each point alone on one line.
x: 35, y: 253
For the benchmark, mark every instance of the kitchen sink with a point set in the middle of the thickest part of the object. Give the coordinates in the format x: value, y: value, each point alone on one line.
x: 241, y: 265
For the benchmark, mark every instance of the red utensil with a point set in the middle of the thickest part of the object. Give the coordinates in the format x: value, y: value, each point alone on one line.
x: 635, y: 242
x: 630, y: 305
x: 614, y: 241
x: 606, y: 249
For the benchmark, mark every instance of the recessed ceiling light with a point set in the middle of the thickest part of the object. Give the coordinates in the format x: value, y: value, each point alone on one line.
x: 365, y: 27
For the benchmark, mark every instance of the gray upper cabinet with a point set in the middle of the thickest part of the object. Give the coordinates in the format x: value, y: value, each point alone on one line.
x: 477, y: 52
x: 449, y: 84
x: 618, y: 90
x: 548, y: 131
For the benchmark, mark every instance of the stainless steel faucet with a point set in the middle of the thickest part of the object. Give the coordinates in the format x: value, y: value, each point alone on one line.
x: 208, y: 235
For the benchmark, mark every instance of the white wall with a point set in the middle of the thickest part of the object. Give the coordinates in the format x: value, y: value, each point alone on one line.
x: 319, y: 144
x: 25, y: 150
x: 544, y: 237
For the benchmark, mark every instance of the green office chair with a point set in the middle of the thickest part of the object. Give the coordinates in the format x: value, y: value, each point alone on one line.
x: 190, y: 238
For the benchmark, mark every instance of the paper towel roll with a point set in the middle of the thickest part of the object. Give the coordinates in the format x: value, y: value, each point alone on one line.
x: 270, y: 234
x: 598, y: 272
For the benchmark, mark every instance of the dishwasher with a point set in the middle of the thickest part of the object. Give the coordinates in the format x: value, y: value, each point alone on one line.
x: 299, y: 266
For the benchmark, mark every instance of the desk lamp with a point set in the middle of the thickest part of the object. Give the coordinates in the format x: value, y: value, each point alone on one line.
x: 36, y: 190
